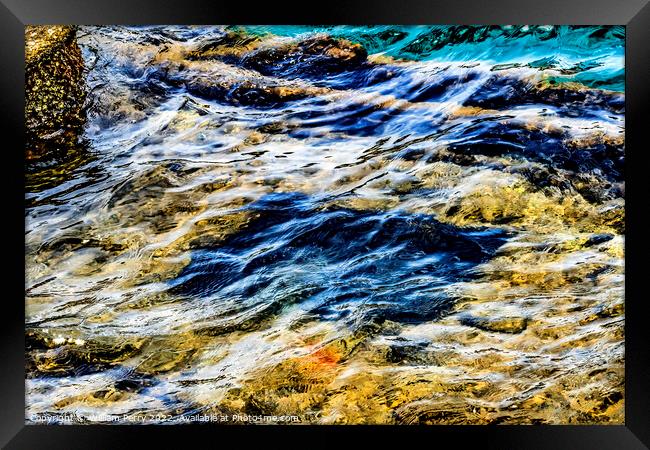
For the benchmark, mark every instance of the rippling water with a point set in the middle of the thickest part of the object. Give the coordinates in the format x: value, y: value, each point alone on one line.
x: 342, y: 224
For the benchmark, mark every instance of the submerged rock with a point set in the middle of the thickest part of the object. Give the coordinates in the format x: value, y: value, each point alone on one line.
x: 318, y: 58
x: 231, y: 45
x: 319, y: 241
x: 511, y: 325
x: 52, y: 354
x: 54, y: 90
x: 241, y: 69
x: 499, y: 92
x: 222, y: 82
x: 318, y: 54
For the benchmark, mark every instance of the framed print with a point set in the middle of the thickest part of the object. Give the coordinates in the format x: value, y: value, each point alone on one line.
x: 409, y: 220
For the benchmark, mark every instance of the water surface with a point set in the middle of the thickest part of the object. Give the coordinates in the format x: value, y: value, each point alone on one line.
x: 390, y: 224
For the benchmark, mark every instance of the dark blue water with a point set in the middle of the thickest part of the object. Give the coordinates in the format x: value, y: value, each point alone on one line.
x: 363, y: 266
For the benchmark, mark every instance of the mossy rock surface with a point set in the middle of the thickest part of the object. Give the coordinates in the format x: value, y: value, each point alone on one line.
x: 54, y: 90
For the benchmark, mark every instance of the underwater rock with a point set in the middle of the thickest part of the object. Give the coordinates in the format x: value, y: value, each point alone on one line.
x: 591, y: 187
x: 318, y: 58
x: 597, y: 239
x: 321, y: 240
x: 228, y: 47
x: 318, y: 54
x: 54, y: 90
x: 460, y: 159
x: 226, y: 83
x: 245, y: 69
x: 551, y: 148
x: 56, y: 355
x: 245, y: 73
x: 498, y: 92
x: 512, y: 325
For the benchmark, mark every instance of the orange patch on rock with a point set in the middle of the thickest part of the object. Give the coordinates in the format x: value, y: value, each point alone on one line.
x: 327, y: 356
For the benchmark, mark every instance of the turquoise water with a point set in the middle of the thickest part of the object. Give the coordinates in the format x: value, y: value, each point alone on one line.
x: 602, y: 49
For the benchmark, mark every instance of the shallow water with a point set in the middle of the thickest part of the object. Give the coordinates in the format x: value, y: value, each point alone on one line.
x: 341, y: 224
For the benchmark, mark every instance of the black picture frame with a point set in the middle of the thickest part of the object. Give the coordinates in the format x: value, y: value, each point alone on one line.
x: 634, y: 14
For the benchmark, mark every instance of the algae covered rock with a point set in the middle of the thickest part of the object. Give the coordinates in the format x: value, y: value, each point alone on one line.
x: 54, y: 90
